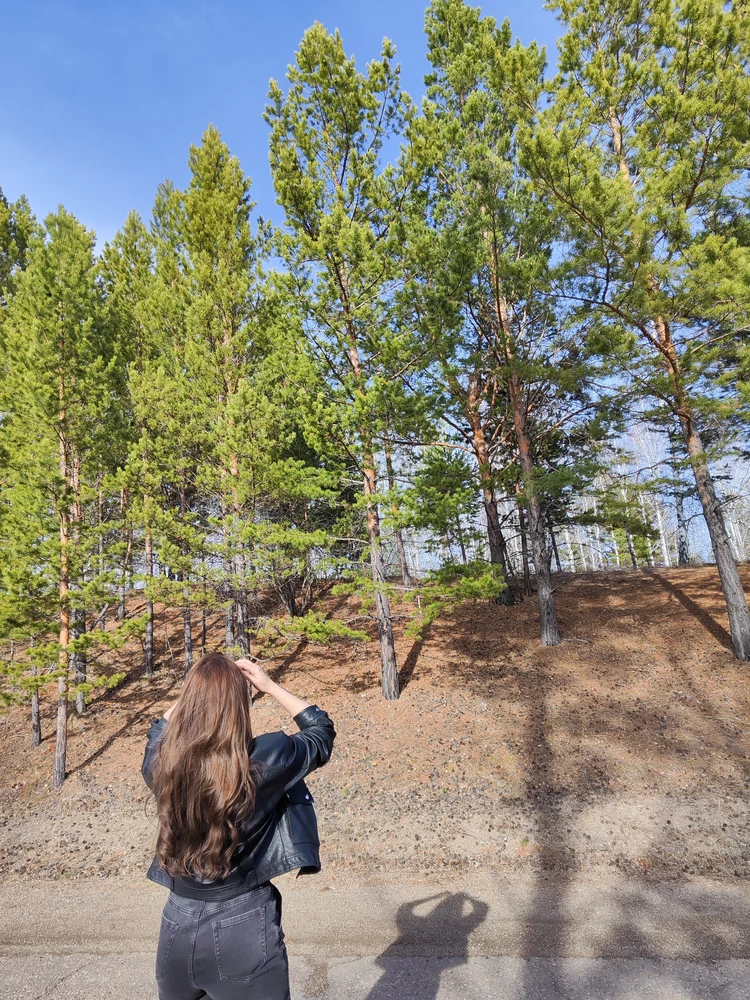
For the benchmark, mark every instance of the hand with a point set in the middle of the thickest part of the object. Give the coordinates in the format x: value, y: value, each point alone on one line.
x: 255, y: 674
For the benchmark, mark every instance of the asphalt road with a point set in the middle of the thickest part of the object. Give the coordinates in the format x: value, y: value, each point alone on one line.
x: 469, y: 937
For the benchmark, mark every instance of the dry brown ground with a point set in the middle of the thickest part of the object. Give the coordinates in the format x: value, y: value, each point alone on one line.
x: 625, y: 746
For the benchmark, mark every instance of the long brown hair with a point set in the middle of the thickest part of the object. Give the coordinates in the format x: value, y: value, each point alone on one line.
x: 204, y: 780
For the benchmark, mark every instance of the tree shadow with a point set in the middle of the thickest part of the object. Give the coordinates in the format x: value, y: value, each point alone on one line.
x: 706, y: 620
x: 410, y: 663
x: 442, y: 933
x: 127, y: 725
x: 556, y: 863
x: 677, y: 924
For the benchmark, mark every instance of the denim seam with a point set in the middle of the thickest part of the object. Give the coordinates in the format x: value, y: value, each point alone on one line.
x: 191, y: 953
x: 219, y: 905
x: 182, y: 909
x: 175, y: 929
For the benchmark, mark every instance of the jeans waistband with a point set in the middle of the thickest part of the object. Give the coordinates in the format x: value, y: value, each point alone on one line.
x: 190, y: 904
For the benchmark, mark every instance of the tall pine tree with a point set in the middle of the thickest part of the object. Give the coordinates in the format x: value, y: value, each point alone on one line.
x: 644, y: 148
x: 343, y: 245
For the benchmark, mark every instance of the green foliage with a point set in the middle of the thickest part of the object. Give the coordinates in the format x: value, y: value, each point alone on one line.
x: 643, y: 149
x: 617, y: 509
x: 344, y: 240
x: 445, y: 589
x: 468, y: 317
x: 61, y: 421
x: 18, y: 230
x: 442, y: 499
x: 275, y: 634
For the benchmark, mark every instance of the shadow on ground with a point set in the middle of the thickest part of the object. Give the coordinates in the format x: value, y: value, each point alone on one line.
x: 424, y: 933
x: 632, y: 925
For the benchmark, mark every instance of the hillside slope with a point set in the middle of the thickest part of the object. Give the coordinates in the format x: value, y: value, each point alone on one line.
x: 625, y: 746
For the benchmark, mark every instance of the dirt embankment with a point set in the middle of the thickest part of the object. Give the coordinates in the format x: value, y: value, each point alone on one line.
x: 625, y: 746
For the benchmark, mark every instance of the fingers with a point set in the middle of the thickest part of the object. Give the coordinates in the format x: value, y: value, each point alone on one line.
x: 246, y: 663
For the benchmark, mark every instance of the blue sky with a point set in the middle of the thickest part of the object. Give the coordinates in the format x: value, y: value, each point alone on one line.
x: 102, y: 99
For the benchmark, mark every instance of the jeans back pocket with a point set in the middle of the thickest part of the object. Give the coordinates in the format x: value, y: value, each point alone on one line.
x: 240, y: 945
x: 167, y: 934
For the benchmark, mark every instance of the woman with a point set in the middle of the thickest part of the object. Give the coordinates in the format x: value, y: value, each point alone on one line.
x: 233, y: 813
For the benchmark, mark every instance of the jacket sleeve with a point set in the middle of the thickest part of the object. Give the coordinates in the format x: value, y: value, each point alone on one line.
x: 308, y: 749
x: 155, y: 734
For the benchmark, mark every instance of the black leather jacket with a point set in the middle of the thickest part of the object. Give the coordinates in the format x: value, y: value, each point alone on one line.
x: 281, y: 834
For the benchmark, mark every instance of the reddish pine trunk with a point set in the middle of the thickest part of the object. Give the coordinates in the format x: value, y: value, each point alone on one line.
x: 36, y: 721
x: 498, y: 548
x: 61, y: 738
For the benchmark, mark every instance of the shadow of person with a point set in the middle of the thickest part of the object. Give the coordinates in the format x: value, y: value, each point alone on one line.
x: 439, y: 937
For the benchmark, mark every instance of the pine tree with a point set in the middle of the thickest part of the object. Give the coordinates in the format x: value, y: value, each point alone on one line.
x: 18, y: 227
x: 343, y: 245
x: 127, y: 268
x: 225, y: 287
x: 643, y: 148
x: 57, y: 397
x: 513, y: 371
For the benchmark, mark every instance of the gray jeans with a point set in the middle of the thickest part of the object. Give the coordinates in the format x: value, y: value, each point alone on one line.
x: 228, y: 950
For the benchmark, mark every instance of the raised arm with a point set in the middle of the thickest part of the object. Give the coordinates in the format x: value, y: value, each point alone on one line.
x: 306, y: 750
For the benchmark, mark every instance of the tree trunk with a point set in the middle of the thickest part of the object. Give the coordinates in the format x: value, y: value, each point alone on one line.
x: 229, y: 640
x: 78, y: 662
x: 738, y: 547
x: 550, y: 632
x: 243, y: 640
x: 36, y: 721
x: 397, y: 534
x: 598, y: 536
x: 528, y: 590
x: 203, y: 631
x: 552, y: 538
x: 388, y: 664
x: 498, y: 547
x: 647, y: 540
x: 61, y: 736
x: 229, y: 627
x: 403, y: 565
x: 616, y: 549
x: 187, y: 630
x: 662, y: 535
x: 389, y: 667
x: 683, y: 553
x: 571, y: 553
x: 678, y: 488
x: 460, y: 536
x: 739, y: 614
x: 631, y: 549
x: 581, y: 550
x: 499, y: 555
x: 148, y: 645
x: 125, y: 559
